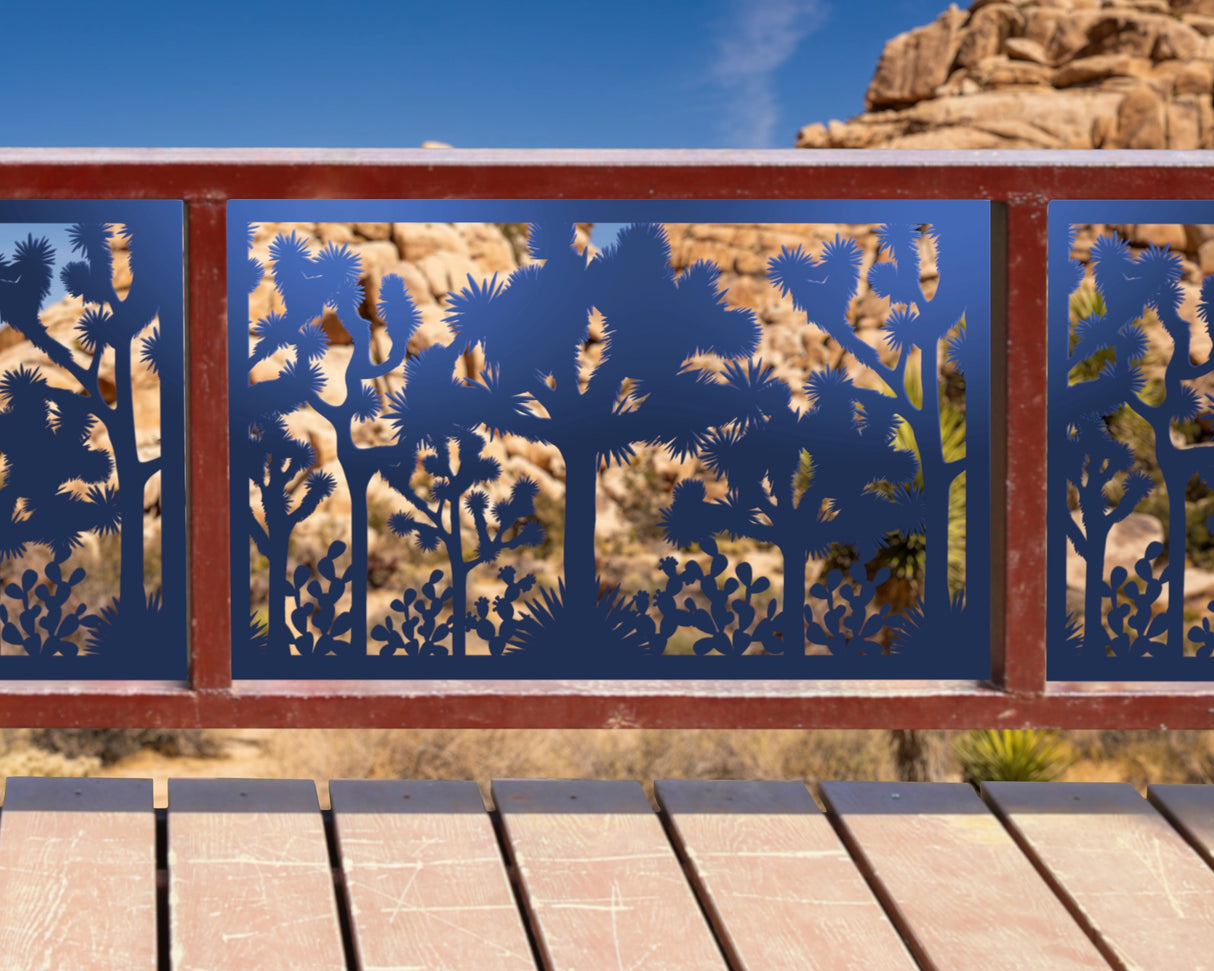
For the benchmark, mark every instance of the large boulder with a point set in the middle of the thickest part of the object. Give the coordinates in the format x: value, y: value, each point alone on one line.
x: 1041, y: 74
x: 914, y: 64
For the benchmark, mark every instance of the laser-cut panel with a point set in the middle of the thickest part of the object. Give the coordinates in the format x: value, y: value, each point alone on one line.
x: 1131, y: 568
x: 610, y: 439
x: 92, y: 439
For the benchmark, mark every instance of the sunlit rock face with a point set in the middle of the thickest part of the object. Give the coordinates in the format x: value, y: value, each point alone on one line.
x: 1072, y: 74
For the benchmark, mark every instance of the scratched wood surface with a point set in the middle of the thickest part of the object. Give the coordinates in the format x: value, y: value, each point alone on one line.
x: 78, y: 875
x: 1190, y: 809
x: 601, y: 880
x: 250, y: 884
x: 963, y: 893
x: 775, y: 879
x: 1121, y: 866
x: 425, y: 877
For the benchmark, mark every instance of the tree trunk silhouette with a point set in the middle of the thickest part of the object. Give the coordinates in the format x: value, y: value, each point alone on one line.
x: 793, y: 626
x: 132, y: 597
x: 1175, y: 481
x: 581, y: 475
x: 357, y: 479
x: 1094, y: 637
x: 936, y: 484
x: 278, y: 531
x: 459, y: 583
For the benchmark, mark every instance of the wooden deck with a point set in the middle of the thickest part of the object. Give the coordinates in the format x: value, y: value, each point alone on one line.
x: 586, y: 875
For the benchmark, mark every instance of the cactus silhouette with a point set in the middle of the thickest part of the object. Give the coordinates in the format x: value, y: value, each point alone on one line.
x: 421, y: 633
x: 497, y: 635
x: 729, y: 622
x: 42, y: 626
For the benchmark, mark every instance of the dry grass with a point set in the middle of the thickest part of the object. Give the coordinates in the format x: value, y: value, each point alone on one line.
x: 1142, y: 758
x: 1137, y: 757
x: 643, y: 755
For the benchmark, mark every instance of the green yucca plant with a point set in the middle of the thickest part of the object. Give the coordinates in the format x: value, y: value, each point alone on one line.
x: 1006, y: 755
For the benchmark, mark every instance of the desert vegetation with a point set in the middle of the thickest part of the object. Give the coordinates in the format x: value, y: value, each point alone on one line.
x: 1138, y: 757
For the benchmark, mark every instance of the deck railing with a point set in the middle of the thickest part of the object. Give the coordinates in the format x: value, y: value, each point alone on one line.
x: 1019, y: 186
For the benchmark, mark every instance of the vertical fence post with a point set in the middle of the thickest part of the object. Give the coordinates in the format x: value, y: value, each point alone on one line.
x: 207, y: 444
x: 1019, y: 660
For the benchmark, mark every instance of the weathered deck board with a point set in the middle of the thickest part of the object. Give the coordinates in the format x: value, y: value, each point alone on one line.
x: 601, y: 880
x: 963, y: 893
x: 1190, y: 809
x: 1120, y: 865
x: 250, y: 885
x: 427, y: 884
x: 78, y: 875
x: 776, y: 881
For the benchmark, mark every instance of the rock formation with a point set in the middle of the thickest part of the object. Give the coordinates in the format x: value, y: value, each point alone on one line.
x: 1041, y: 74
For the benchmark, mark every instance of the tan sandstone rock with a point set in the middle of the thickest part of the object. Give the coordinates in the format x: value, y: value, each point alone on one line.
x: 914, y: 64
x: 1038, y: 74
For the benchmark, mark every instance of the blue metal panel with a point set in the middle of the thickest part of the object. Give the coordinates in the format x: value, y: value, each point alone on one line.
x: 92, y: 434
x: 1129, y: 445
x: 828, y: 522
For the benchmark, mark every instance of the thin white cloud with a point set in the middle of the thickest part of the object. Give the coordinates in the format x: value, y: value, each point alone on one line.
x: 755, y: 38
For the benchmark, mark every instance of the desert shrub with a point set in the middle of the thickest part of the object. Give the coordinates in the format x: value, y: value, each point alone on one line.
x: 1008, y: 755
x: 108, y: 745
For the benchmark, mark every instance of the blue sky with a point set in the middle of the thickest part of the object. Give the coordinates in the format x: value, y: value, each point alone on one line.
x: 393, y: 73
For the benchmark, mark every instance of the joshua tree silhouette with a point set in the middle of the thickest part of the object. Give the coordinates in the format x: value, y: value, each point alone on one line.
x: 532, y: 329
x: 61, y: 418
x: 1131, y: 288
x: 455, y: 465
x: 46, y: 447
x: 308, y: 285
x: 858, y: 484
x: 823, y: 287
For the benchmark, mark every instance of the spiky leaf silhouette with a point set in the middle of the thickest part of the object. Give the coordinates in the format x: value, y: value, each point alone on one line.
x: 533, y: 327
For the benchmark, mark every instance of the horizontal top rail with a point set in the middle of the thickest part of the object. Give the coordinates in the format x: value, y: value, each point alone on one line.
x: 218, y: 174
x: 1020, y: 183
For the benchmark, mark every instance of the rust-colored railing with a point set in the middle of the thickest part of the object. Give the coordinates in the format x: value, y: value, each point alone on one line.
x: 1019, y: 184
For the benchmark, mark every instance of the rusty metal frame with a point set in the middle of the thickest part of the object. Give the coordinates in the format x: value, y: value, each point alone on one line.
x: 1020, y: 184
